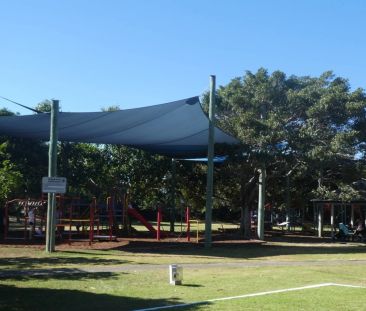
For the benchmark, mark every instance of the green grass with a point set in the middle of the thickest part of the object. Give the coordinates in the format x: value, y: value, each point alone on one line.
x: 339, y: 299
x: 139, y: 288
x: 153, y: 253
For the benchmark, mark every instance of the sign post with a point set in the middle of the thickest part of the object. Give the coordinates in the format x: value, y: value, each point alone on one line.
x: 52, y: 171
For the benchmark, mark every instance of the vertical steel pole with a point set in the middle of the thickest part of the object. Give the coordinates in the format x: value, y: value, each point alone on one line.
x: 288, y: 200
x: 261, y: 199
x: 262, y: 185
x: 172, y: 195
x: 210, y: 164
x: 52, y: 171
x: 352, y: 215
x: 158, y: 233
x: 188, y: 222
x: 332, y: 220
x: 320, y: 220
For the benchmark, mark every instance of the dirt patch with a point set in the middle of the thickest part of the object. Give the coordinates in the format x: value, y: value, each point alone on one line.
x: 143, y: 243
x: 131, y: 243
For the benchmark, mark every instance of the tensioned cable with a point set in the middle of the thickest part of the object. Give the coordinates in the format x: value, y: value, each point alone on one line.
x: 26, y: 107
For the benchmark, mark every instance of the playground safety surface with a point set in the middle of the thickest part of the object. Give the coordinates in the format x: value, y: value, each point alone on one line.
x: 137, y: 244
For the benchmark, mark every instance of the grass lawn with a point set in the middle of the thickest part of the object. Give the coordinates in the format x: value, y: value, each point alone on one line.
x: 138, y: 288
x: 153, y: 253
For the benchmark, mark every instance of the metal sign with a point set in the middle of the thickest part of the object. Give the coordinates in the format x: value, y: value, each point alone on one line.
x: 53, y: 184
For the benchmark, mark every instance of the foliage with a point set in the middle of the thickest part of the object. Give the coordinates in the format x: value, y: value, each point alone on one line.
x: 309, y: 128
x: 309, y: 132
x: 10, y: 176
x: 44, y: 106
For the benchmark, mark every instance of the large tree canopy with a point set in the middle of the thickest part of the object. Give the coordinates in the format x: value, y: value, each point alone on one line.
x: 312, y: 128
x: 309, y: 132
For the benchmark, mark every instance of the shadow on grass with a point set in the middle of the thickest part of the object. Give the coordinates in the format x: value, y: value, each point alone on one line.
x: 27, y: 263
x: 55, y: 274
x: 237, y: 250
x: 101, y: 252
x: 34, y: 299
x: 191, y: 285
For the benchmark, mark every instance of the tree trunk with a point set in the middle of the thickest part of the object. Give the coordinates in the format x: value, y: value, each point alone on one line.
x: 245, y: 225
x: 247, y: 192
x: 247, y: 222
x: 242, y: 221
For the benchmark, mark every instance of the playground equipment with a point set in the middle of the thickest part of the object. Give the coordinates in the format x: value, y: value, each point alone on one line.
x: 196, y: 224
x: 104, y: 218
x: 75, y: 219
x: 134, y: 213
x: 79, y: 220
x: 190, y: 221
x: 23, y: 217
x: 158, y: 233
x: 332, y: 212
x: 73, y: 215
x: 26, y: 218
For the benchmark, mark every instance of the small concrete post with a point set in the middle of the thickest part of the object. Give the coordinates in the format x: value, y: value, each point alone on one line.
x: 175, y: 274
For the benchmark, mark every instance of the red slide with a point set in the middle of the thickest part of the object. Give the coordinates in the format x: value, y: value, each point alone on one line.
x: 138, y: 216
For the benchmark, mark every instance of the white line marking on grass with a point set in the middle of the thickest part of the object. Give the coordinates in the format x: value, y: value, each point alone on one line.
x: 347, y: 285
x: 249, y: 295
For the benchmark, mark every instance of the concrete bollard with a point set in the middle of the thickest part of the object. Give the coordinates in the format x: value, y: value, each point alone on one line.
x: 175, y: 274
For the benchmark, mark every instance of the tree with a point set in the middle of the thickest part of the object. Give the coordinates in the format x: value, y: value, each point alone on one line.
x: 10, y: 176
x: 44, y: 106
x: 290, y: 125
x: 24, y: 162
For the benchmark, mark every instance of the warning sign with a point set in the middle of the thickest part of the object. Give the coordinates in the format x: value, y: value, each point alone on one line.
x: 53, y: 184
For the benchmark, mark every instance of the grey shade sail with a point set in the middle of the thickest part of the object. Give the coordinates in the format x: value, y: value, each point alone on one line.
x: 176, y: 129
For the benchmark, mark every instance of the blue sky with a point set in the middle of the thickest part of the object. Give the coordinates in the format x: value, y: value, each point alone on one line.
x: 92, y: 54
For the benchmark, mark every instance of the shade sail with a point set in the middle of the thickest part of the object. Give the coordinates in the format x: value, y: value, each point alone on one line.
x: 176, y: 129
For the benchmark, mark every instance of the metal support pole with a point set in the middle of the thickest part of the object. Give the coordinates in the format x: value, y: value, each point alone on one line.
x: 262, y: 184
x: 320, y: 221
x: 314, y: 216
x: 210, y: 164
x: 52, y: 172
x: 92, y: 215
x: 188, y: 222
x: 158, y: 232
x: 332, y: 220
x: 288, y: 200
x: 352, y: 215
x: 172, y: 196
x: 261, y: 200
